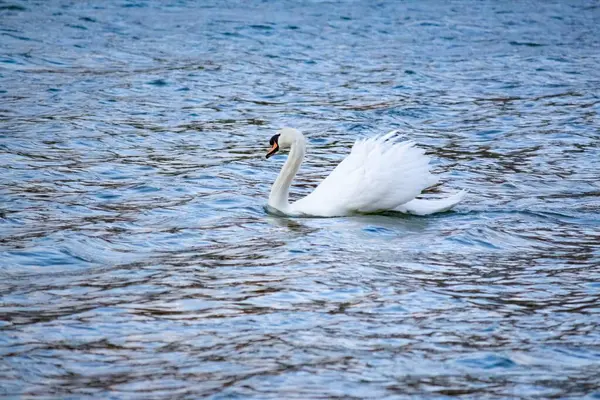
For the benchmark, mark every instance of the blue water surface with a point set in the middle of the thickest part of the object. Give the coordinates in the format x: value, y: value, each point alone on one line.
x: 136, y: 256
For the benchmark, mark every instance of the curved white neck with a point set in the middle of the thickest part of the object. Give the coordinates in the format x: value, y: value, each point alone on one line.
x: 281, y: 188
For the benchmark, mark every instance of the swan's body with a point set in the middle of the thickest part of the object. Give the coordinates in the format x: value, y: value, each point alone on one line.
x: 378, y: 175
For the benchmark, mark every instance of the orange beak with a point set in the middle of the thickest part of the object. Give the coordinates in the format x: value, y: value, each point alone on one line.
x: 273, y: 150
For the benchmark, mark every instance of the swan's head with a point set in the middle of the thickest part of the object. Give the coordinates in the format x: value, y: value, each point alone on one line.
x: 283, y: 139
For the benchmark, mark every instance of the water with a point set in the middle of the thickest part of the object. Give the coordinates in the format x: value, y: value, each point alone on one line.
x: 137, y: 259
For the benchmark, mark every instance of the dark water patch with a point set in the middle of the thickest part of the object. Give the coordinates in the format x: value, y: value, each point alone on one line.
x: 135, y: 5
x: 528, y: 44
x: 8, y: 61
x: 158, y: 82
x: 262, y: 27
x: 81, y: 27
x: 12, y: 7
x: 19, y: 37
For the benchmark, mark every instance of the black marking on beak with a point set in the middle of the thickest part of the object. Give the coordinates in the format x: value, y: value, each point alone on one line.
x: 274, y: 139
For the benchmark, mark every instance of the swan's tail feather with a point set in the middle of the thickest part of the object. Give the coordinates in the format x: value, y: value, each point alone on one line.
x: 426, y: 207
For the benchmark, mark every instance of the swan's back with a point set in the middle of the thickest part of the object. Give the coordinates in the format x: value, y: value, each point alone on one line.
x: 379, y: 174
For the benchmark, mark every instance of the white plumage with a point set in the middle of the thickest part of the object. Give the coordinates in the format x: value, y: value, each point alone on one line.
x: 379, y: 174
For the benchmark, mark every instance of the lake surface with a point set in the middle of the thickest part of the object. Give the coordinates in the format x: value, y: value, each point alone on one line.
x: 137, y: 258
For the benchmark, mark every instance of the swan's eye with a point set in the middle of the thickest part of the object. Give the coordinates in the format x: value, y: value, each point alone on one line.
x: 274, y: 140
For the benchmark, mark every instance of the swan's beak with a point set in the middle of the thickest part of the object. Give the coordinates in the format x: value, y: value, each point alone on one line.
x: 273, y: 150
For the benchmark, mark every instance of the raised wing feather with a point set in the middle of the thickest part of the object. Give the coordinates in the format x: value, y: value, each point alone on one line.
x: 378, y: 174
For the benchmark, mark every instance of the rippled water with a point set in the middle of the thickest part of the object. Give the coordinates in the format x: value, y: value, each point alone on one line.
x: 137, y: 259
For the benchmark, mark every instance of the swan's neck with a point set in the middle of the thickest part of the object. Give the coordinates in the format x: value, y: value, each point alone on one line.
x: 281, y: 188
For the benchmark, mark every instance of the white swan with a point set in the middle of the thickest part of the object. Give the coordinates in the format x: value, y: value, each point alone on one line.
x: 379, y: 174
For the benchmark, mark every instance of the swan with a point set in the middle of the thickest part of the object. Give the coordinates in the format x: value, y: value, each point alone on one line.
x: 379, y: 174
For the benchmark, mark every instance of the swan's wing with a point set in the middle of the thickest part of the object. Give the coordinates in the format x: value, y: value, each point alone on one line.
x: 378, y: 174
x: 430, y: 206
